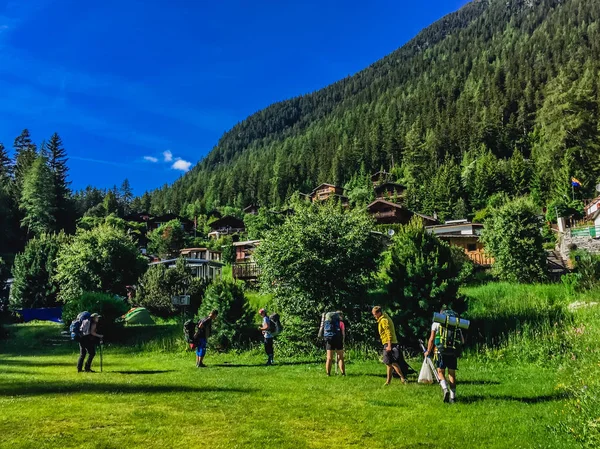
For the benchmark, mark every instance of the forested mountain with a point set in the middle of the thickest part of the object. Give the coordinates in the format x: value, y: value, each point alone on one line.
x: 502, y: 95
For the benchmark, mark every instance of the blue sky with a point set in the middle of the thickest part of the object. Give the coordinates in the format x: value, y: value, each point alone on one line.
x: 144, y: 89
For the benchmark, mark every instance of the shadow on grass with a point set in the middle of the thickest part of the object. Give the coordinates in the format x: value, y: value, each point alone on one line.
x: 28, y: 389
x: 254, y: 365
x: 40, y: 363
x: 145, y: 371
x: 470, y: 399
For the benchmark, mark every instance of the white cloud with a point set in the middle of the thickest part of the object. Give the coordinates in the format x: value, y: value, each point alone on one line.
x: 151, y: 159
x: 182, y: 165
x: 168, y: 156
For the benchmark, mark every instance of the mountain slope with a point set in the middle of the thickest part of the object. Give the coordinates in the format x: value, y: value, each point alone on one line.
x: 447, y: 111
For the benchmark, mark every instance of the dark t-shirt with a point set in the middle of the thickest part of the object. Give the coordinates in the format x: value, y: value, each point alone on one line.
x: 205, y: 328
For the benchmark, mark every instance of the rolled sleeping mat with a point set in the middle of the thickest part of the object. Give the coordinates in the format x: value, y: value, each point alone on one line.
x: 452, y: 320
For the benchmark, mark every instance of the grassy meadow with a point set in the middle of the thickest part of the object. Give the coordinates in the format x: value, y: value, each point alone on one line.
x: 524, y: 392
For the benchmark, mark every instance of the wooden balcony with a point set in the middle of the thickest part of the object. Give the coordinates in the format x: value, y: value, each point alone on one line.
x: 246, y: 271
x: 479, y: 258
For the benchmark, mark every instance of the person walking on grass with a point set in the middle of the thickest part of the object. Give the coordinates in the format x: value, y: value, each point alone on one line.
x: 266, y: 329
x: 446, y: 342
x: 201, y: 337
x: 333, y: 330
x: 392, y: 355
x: 87, y: 343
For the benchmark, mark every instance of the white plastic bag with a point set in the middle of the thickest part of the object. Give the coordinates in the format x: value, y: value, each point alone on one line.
x: 425, y: 376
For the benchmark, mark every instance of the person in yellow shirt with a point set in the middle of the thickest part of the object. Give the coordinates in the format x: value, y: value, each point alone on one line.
x: 392, y: 355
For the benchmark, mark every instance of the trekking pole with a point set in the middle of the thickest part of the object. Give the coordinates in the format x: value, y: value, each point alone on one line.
x: 336, y: 363
x: 101, y: 355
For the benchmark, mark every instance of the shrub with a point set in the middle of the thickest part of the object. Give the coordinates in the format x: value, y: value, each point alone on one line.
x: 423, y: 274
x: 235, y: 324
x: 110, y: 307
x: 168, y: 239
x: 512, y: 237
x: 321, y: 258
x: 159, y: 284
x: 103, y: 259
x: 34, y: 269
x: 587, y: 268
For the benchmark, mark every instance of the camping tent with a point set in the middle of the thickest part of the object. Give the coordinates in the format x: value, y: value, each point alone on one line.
x: 138, y: 315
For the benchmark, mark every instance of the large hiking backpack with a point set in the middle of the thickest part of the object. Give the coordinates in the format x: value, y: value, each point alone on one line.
x: 331, y: 325
x: 448, y: 337
x: 189, y: 331
x: 275, y: 326
x: 76, y: 326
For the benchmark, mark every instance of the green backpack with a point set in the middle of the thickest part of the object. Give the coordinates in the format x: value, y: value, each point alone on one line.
x: 448, y: 339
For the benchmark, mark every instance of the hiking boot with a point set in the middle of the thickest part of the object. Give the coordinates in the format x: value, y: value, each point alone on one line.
x: 446, y: 396
x: 201, y: 365
x: 452, y: 400
x: 90, y: 371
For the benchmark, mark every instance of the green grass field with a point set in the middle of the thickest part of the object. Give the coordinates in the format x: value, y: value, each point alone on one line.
x: 154, y: 399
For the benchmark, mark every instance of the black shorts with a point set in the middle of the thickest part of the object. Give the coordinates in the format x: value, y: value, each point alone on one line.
x: 334, y: 344
x: 393, y: 356
x: 444, y: 361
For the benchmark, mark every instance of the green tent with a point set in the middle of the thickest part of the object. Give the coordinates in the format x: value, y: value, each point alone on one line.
x: 139, y: 315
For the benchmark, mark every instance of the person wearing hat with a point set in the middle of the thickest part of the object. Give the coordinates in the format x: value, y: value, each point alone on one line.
x: 87, y: 344
x: 268, y: 336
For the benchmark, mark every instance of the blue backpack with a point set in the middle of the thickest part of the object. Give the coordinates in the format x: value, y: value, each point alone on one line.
x: 331, y: 325
x: 75, y: 327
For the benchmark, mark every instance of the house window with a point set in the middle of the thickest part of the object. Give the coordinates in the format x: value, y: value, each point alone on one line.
x: 472, y: 247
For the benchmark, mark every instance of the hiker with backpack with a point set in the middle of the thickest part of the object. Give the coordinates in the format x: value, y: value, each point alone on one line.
x: 200, y: 338
x: 392, y: 355
x: 447, y: 338
x: 333, y: 330
x: 83, y: 330
x: 268, y: 328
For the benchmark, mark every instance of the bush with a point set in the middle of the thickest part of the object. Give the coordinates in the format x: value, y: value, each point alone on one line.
x: 34, y: 269
x: 422, y: 274
x: 103, y: 259
x: 234, y: 327
x: 159, y: 284
x: 321, y: 258
x: 587, y: 269
x: 110, y: 307
x: 167, y: 240
x: 512, y: 237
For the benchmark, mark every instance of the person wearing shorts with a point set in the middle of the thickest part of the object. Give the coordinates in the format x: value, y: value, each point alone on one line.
x: 335, y: 345
x: 392, y: 355
x: 443, y: 362
x: 201, y: 337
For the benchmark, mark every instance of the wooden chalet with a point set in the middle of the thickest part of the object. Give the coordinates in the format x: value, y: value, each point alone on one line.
x: 386, y: 212
x: 380, y: 177
x: 156, y: 222
x: 201, y: 268
x: 227, y: 225
x: 592, y: 208
x: 252, y: 209
x: 200, y: 253
x: 245, y: 268
x: 389, y: 190
x: 140, y: 217
x: 465, y: 235
x: 327, y: 191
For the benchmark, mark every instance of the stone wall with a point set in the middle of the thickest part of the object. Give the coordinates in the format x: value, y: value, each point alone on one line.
x: 586, y: 243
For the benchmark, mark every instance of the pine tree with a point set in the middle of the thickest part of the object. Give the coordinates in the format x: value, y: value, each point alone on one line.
x: 37, y: 199
x: 25, y: 155
x: 6, y: 168
x: 126, y: 196
x: 111, y: 203
x: 57, y: 161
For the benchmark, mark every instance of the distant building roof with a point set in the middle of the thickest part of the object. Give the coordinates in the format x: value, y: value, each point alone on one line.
x: 246, y: 243
x: 387, y: 185
x: 227, y: 221
x: 379, y: 174
x: 188, y: 261
x: 326, y: 185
